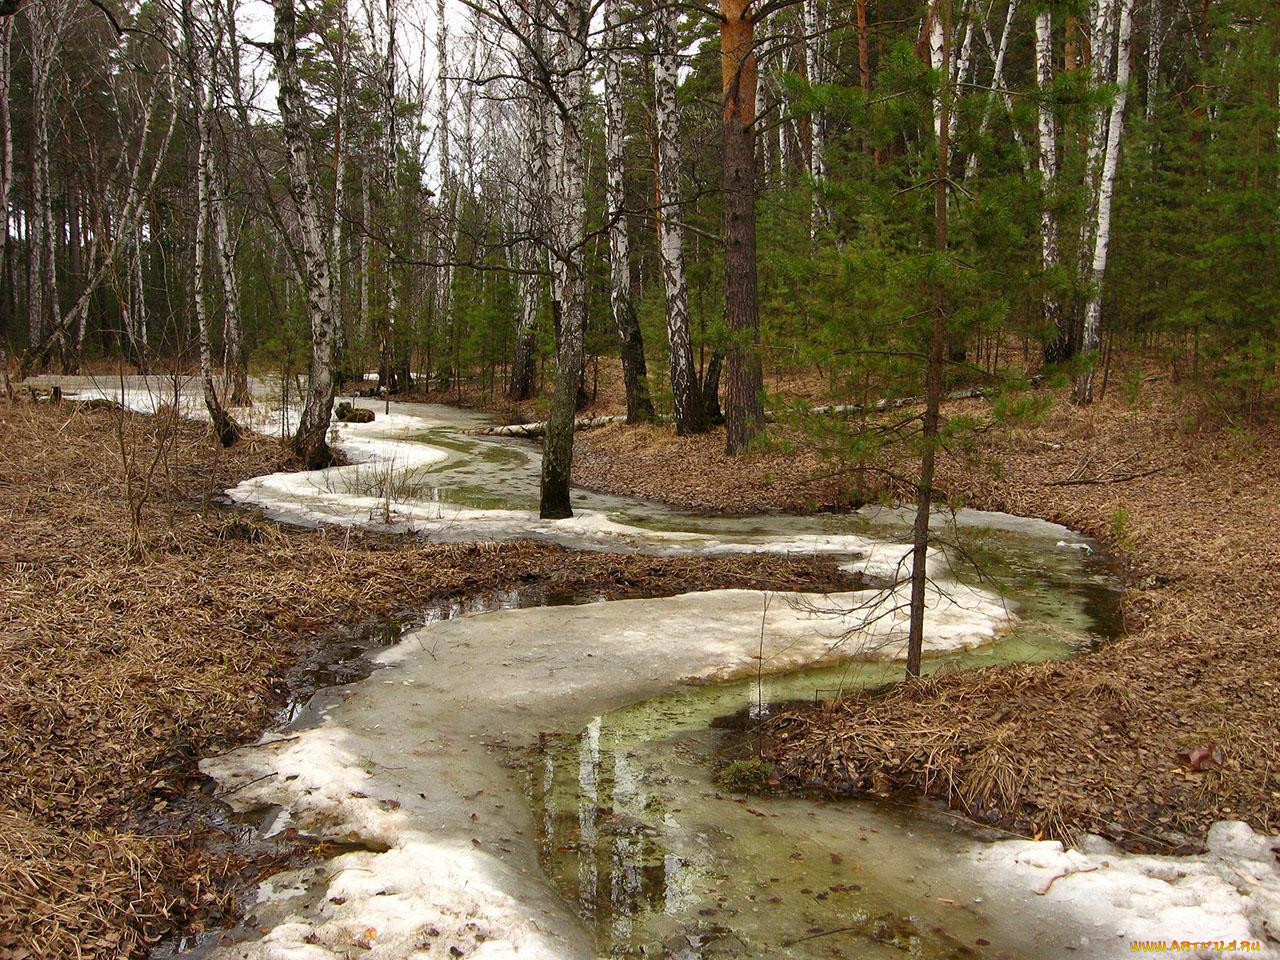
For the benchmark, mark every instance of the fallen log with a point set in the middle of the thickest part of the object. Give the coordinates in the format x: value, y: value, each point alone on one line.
x: 534, y: 430
x: 530, y: 431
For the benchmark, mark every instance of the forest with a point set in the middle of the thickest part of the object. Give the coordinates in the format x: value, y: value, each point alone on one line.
x: 638, y: 478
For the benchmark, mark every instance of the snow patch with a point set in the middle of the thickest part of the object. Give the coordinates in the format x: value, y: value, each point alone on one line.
x: 1231, y: 892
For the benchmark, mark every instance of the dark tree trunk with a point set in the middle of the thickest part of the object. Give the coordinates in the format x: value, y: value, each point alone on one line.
x: 933, y: 375
x: 711, y: 389
x: 635, y: 373
x: 744, y: 404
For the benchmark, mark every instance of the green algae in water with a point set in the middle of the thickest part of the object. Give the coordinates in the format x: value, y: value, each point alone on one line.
x: 660, y: 861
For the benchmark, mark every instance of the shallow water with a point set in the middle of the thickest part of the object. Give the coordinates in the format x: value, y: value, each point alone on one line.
x: 537, y: 782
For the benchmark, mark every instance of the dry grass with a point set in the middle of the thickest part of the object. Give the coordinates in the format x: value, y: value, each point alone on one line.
x: 1095, y: 743
x: 117, y: 672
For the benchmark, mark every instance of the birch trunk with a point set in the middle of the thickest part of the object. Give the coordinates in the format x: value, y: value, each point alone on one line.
x: 444, y: 274
x: 630, y: 342
x: 997, y: 82
x: 686, y: 390
x: 310, y: 442
x: 1101, y: 58
x: 340, y: 137
x: 237, y: 366
x: 815, y: 61
x: 1056, y: 346
x: 202, y: 108
x: 570, y: 228
x: 387, y: 379
x: 366, y: 265
x: 1155, y: 46
x: 141, y: 346
x: 744, y: 396
x: 1106, y: 189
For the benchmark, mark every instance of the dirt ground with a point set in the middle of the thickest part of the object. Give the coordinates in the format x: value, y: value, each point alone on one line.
x: 1147, y: 740
x: 122, y: 662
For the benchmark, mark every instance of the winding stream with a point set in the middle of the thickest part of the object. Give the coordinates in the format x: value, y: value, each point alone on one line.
x: 537, y: 782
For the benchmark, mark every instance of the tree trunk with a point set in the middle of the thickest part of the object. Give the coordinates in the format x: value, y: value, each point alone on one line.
x: 635, y: 376
x: 685, y: 389
x: 1057, y: 337
x: 444, y: 273
x: 310, y: 442
x: 201, y: 91
x: 570, y: 229
x: 75, y: 269
x: 46, y: 23
x: 237, y: 364
x: 1155, y: 45
x: 1102, y: 227
x: 535, y: 189
x: 997, y: 82
x: 366, y: 262
x: 387, y: 374
x: 937, y: 350
x: 815, y: 63
x: 744, y: 401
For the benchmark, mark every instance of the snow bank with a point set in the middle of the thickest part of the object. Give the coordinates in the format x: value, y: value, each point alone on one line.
x: 1230, y: 893
x: 424, y: 895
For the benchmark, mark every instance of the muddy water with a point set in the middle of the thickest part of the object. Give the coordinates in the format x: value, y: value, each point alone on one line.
x: 537, y: 782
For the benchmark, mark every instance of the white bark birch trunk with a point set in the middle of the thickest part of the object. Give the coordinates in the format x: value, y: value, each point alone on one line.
x: 310, y: 441
x: 366, y: 281
x: 1047, y: 158
x: 997, y: 82
x: 1102, y: 39
x: 444, y: 274
x: 340, y: 137
x: 816, y: 62
x: 225, y: 254
x: 138, y: 312
x: 1106, y: 189
x: 686, y: 391
x: 200, y: 70
x: 1155, y: 46
x: 386, y: 362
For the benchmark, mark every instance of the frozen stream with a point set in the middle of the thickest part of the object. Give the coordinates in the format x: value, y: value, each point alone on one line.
x: 536, y: 782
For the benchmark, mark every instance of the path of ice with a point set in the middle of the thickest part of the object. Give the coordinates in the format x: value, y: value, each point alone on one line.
x: 410, y: 762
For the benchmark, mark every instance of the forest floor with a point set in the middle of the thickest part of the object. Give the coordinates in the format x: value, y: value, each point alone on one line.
x: 1148, y: 739
x: 120, y: 666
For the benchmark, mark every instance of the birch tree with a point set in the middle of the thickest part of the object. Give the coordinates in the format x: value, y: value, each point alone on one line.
x: 690, y: 410
x: 816, y: 65
x: 630, y: 341
x: 569, y: 85
x: 310, y: 441
x: 1047, y: 158
x: 1101, y: 226
x: 200, y: 56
